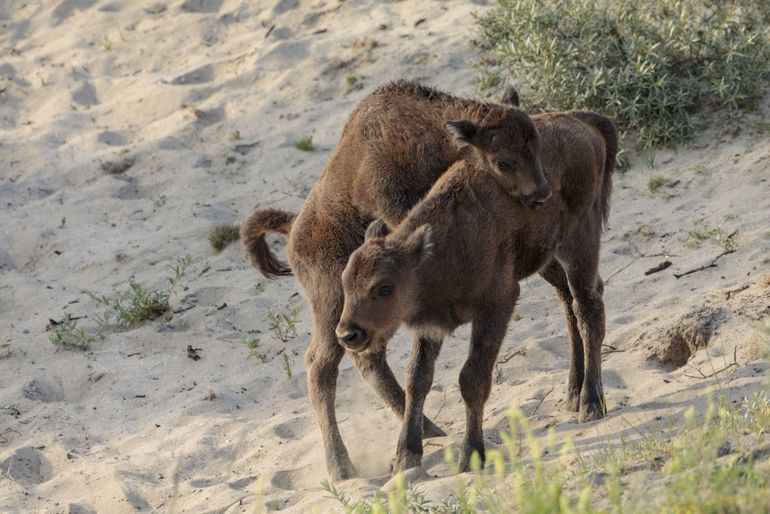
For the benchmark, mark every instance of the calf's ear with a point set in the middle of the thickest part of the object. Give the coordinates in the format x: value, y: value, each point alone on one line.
x: 461, y: 132
x: 376, y: 229
x: 419, y: 244
x: 510, y: 96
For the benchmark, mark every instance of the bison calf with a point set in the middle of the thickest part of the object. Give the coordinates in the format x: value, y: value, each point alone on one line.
x: 459, y: 255
x: 392, y: 150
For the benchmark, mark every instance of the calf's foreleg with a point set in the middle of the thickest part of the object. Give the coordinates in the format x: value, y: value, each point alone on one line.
x: 419, y: 379
x: 476, y: 376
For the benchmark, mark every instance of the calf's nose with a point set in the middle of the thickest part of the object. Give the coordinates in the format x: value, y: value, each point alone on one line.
x: 539, y: 197
x: 350, y: 335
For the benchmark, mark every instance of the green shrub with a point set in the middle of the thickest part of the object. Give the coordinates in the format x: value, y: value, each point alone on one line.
x: 649, y: 65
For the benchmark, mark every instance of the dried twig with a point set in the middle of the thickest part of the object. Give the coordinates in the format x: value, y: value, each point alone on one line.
x: 732, y: 364
x: 609, y: 279
x: 660, y: 267
x: 520, y: 351
x: 612, y: 349
x: 541, y: 401
x: 443, y: 402
x: 712, y: 264
x: 737, y: 290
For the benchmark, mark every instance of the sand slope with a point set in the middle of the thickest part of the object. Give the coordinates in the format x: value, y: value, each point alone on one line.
x: 196, y: 104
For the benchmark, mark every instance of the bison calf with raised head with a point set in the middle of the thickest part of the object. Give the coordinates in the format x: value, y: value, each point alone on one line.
x: 460, y: 253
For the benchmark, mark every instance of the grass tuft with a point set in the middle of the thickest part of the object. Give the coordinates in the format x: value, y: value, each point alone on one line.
x: 136, y: 304
x: 656, y: 183
x: 67, y: 335
x: 253, y: 346
x: 305, y: 144
x: 283, y: 324
x: 650, y: 65
x: 717, y: 236
x: 222, y: 235
x: 287, y: 365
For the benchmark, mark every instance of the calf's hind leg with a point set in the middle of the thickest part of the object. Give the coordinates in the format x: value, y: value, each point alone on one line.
x: 581, y: 261
x: 554, y: 274
x: 322, y: 360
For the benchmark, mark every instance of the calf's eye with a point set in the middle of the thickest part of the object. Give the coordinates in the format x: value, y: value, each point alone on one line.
x: 385, y: 290
x: 503, y: 166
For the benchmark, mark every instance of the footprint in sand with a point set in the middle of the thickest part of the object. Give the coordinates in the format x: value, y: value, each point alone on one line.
x: 27, y: 466
x: 201, y: 6
x: 85, y: 95
x: 292, y: 430
x: 79, y: 508
x: 112, y: 138
x: 292, y: 479
x: 66, y: 8
x: 42, y: 390
x: 197, y: 76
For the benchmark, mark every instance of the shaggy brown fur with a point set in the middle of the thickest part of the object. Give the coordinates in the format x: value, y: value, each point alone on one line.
x: 458, y: 257
x: 392, y: 150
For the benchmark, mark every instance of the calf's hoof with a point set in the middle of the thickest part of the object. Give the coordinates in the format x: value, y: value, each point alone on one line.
x: 591, y: 412
x: 405, y: 462
x: 467, y: 458
x: 410, y: 476
x: 430, y: 429
x: 573, y: 401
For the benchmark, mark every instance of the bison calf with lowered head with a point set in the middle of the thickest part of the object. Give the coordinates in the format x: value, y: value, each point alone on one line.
x: 392, y: 150
x: 459, y: 255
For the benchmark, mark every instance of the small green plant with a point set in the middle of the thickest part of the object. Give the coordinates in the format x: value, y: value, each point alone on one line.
x: 253, y: 346
x: 656, y: 183
x: 222, y: 235
x: 6, y: 351
x: 107, y: 44
x: 405, y: 499
x: 287, y: 365
x: 136, y: 304
x: 67, y: 335
x: 305, y: 144
x: 728, y: 242
x: 283, y: 325
x: 351, y: 80
x: 634, y: 61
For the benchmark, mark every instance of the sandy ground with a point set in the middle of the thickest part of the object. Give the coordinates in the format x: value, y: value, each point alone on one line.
x: 206, y: 98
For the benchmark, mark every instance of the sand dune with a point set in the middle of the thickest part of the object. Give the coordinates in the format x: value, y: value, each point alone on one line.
x: 129, y: 129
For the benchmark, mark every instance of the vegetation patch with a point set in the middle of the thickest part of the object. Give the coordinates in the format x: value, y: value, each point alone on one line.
x: 720, y: 463
x: 253, y: 345
x: 67, y: 335
x: 128, y: 308
x: 283, y: 324
x: 649, y: 65
x: 656, y: 183
x: 305, y: 144
x: 717, y: 236
x: 222, y: 235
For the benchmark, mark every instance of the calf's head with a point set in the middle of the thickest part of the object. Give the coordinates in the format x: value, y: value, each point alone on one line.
x: 507, y: 144
x: 380, y: 285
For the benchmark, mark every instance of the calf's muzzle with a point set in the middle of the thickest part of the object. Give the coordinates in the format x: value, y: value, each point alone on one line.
x: 351, y: 336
